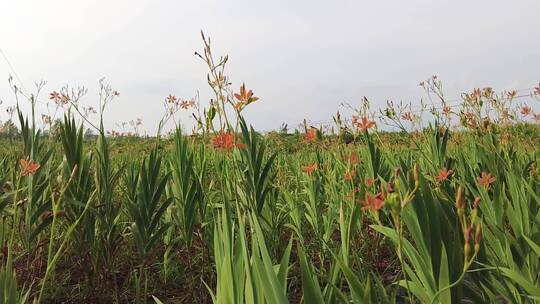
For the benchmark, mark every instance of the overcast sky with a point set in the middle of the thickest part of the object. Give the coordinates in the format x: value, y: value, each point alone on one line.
x: 302, y: 58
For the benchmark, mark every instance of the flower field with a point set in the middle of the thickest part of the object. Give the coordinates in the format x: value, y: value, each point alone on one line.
x: 443, y: 207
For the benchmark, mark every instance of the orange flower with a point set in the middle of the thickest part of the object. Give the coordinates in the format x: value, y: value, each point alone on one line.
x: 223, y: 140
x: 511, y: 94
x: 537, y: 117
x: 353, y: 159
x: 365, y: 124
x: 310, y: 168
x: 311, y: 135
x: 185, y: 104
x: 219, y: 81
x: 55, y: 96
x: 407, y: 116
x: 444, y: 174
x: 369, y: 181
x: 486, y: 179
x: 349, y: 175
x: 488, y: 92
x: 373, y: 202
x: 525, y: 110
x: 28, y: 167
x: 171, y: 98
x: 245, y: 96
x: 446, y: 110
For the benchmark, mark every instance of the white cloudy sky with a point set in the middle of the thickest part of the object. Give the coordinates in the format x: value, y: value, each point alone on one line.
x: 303, y: 58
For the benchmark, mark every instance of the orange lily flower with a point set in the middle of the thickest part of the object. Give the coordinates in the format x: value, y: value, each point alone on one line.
x: 365, y: 124
x: 310, y: 168
x: 353, y: 159
x: 444, y: 174
x: 28, y: 167
x: 525, y: 110
x: 185, y: 104
x: 407, y: 116
x: 55, y: 96
x: 245, y: 96
x: 373, y: 202
x: 446, y: 110
x: 486, y: 179
x: 311, y: 135
x: 223, y: 140
x: 171, y: 98
x: 511, y: 94
x: 369, y: 181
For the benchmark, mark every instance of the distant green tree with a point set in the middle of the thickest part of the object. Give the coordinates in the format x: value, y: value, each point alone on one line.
x: 9, y: 130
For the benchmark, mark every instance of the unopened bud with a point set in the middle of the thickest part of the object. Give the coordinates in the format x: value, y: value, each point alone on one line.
x: 474, y: 214
x: 392, y: 200
x: 477, y: 238
x: 468, y: 233
x: 459, y: 198
x: 476, y: 202
x: 478, y: 234
x: 416, y: 174
x: 467, y: 250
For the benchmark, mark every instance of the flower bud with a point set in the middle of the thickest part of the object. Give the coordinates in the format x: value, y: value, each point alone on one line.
x: 478, y: 234
x: 459, y: 198
x: 476, y: 202
x: 392, y: 200
x: 474, y: 214
x: 468, y: 233
x: 466, y: 250
x: 416, y: 174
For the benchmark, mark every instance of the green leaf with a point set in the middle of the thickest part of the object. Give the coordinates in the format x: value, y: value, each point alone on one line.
x: 310, y: 286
